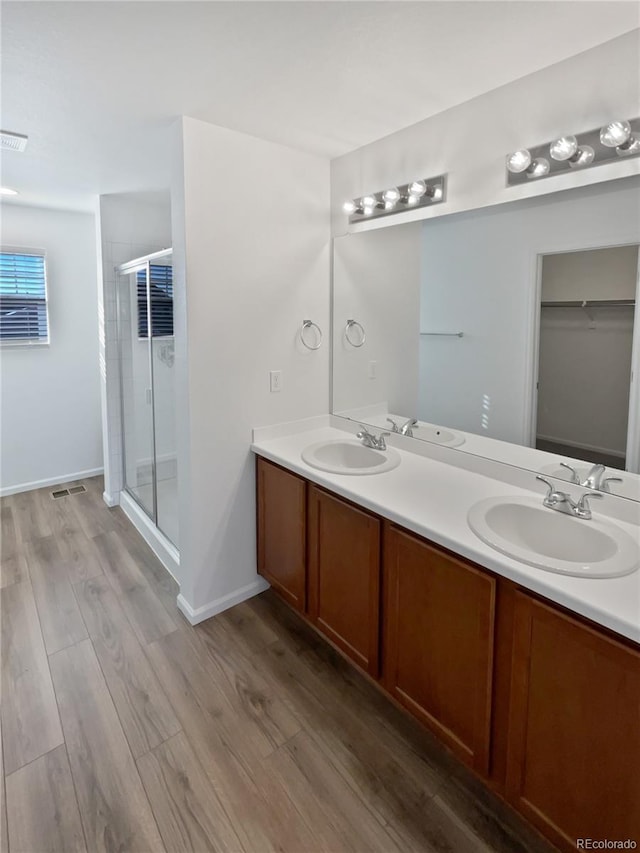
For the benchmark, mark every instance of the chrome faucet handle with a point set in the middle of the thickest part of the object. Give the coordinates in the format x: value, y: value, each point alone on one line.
x: 604, y: 487
x: 550, y: 487
x: 583, y: 510
x: 363, y: 431
x: 381, y: 443
x: 574, y: 474
x: 394, y: 425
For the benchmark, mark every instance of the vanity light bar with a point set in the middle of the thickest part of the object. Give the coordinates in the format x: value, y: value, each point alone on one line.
x: 422, y: 192
x: 616, y: 140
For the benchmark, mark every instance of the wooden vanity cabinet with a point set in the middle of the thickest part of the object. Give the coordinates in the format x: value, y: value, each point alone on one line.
x: 438, y: 642
x: 544, y: 706
x: 282, y: 531
x: 344, y: 576
x: 573, y: 761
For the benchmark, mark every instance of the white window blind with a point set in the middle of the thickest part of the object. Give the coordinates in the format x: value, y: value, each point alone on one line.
x: 23, y: 297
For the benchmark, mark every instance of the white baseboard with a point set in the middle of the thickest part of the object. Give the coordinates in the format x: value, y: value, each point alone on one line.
x: 50, y: 481
x: 164, y: 550
x: 221, y: 604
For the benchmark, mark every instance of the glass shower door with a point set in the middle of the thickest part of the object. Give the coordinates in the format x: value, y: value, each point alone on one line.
x: 147, y: 354
x: 163, y: 358
x: 137, y: 388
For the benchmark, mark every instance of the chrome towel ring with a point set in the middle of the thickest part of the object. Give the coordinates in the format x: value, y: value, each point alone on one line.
x: 309, y: 324
x: 347, y: 330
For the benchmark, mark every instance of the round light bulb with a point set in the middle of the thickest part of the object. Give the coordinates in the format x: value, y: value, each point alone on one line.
x: 539, y: 168
x: 564, y: 148
x: 615, y: 134
x: 519, y: 161
x: 437, y: 193
x: 412, y: 199
x: 417, y: 189
x: 631, y: 146
x: 349, y: 207
x: 367, y: 210
x: 585, y: 156
x: 391, y: 196
x: 8, y: 191
x: 368, y: 201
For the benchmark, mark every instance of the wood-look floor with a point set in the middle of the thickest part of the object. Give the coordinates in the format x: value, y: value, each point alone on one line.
x: 125, y: 729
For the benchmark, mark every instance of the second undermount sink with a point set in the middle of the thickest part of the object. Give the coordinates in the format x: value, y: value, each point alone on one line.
x: 524, y: 529
x: 344, y: 456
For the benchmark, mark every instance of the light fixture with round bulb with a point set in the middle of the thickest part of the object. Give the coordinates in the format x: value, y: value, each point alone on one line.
x: 619, y: 135
x: 368, y: 201
x: 349, y: 207
x: 519, y: 161
x: 391, y: 196
x: 538, y: 168
x: 615, y: 134
x: 8, y: 191
x: 417, y: 189
x: 564, y: 148
x: 583, y: 157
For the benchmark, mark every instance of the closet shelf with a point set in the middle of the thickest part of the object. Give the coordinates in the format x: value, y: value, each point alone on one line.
x: 591, y: 303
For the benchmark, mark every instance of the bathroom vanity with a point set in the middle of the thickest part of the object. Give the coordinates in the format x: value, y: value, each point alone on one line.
x: 531, y: 679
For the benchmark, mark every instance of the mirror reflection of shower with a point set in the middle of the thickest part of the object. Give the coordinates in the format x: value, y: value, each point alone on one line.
x: 586, y: 352
x: 147, y: 357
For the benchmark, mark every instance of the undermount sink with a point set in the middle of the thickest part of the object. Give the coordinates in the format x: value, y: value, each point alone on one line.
x: 344, y: 456
x: 524, y: 529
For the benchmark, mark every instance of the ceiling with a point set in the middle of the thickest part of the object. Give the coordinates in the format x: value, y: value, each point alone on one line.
x: 96, y: 85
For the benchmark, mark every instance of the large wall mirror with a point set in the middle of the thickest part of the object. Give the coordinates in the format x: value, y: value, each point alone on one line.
x: 510, y: 332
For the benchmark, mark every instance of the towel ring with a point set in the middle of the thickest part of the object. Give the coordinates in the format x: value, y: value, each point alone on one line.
x: 308, y: 324
x: 347, y: 329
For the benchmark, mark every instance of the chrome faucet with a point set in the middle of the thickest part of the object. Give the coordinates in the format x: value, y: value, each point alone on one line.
x: 563, y: 502
x: 371, y: 440
x: 595, y: 479
x: 406, y: 428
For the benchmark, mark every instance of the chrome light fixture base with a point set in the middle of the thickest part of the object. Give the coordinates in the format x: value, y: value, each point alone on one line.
x: 574, y: 153
x: 422, y: 192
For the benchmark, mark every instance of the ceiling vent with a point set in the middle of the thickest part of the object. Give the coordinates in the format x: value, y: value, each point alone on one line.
x: 13, y: 141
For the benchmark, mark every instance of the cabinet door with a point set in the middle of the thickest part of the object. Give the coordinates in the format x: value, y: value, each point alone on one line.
x: 344, y: 576
x: 281, y: 531
x: 438, y: 662
x: 573, y: 765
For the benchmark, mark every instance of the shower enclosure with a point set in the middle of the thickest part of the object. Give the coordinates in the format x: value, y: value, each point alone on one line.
x: 147, y: 386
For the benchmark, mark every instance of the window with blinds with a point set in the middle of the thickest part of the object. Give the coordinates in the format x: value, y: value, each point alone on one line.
x: 23, y: 297
x: 161, y: 286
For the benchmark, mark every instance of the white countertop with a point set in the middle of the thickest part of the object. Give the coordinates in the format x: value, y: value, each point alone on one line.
x: 432, y: 499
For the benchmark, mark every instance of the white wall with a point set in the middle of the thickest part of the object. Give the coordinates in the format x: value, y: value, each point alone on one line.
x: 470, y: 141
x: 480, y: 277
x: 376, y: 281
x: 50, y: 394
x: 129, y: 225
x: 585, y: 357
x: 251, y: 247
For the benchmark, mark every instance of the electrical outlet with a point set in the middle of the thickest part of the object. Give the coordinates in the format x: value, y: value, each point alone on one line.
x: 275, y: 381
x: 373, y: 370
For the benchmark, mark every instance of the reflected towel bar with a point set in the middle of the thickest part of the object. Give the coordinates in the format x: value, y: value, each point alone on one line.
x: 445, y: 334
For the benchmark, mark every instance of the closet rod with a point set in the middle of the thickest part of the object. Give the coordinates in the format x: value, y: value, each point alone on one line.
x: 592, y: 303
